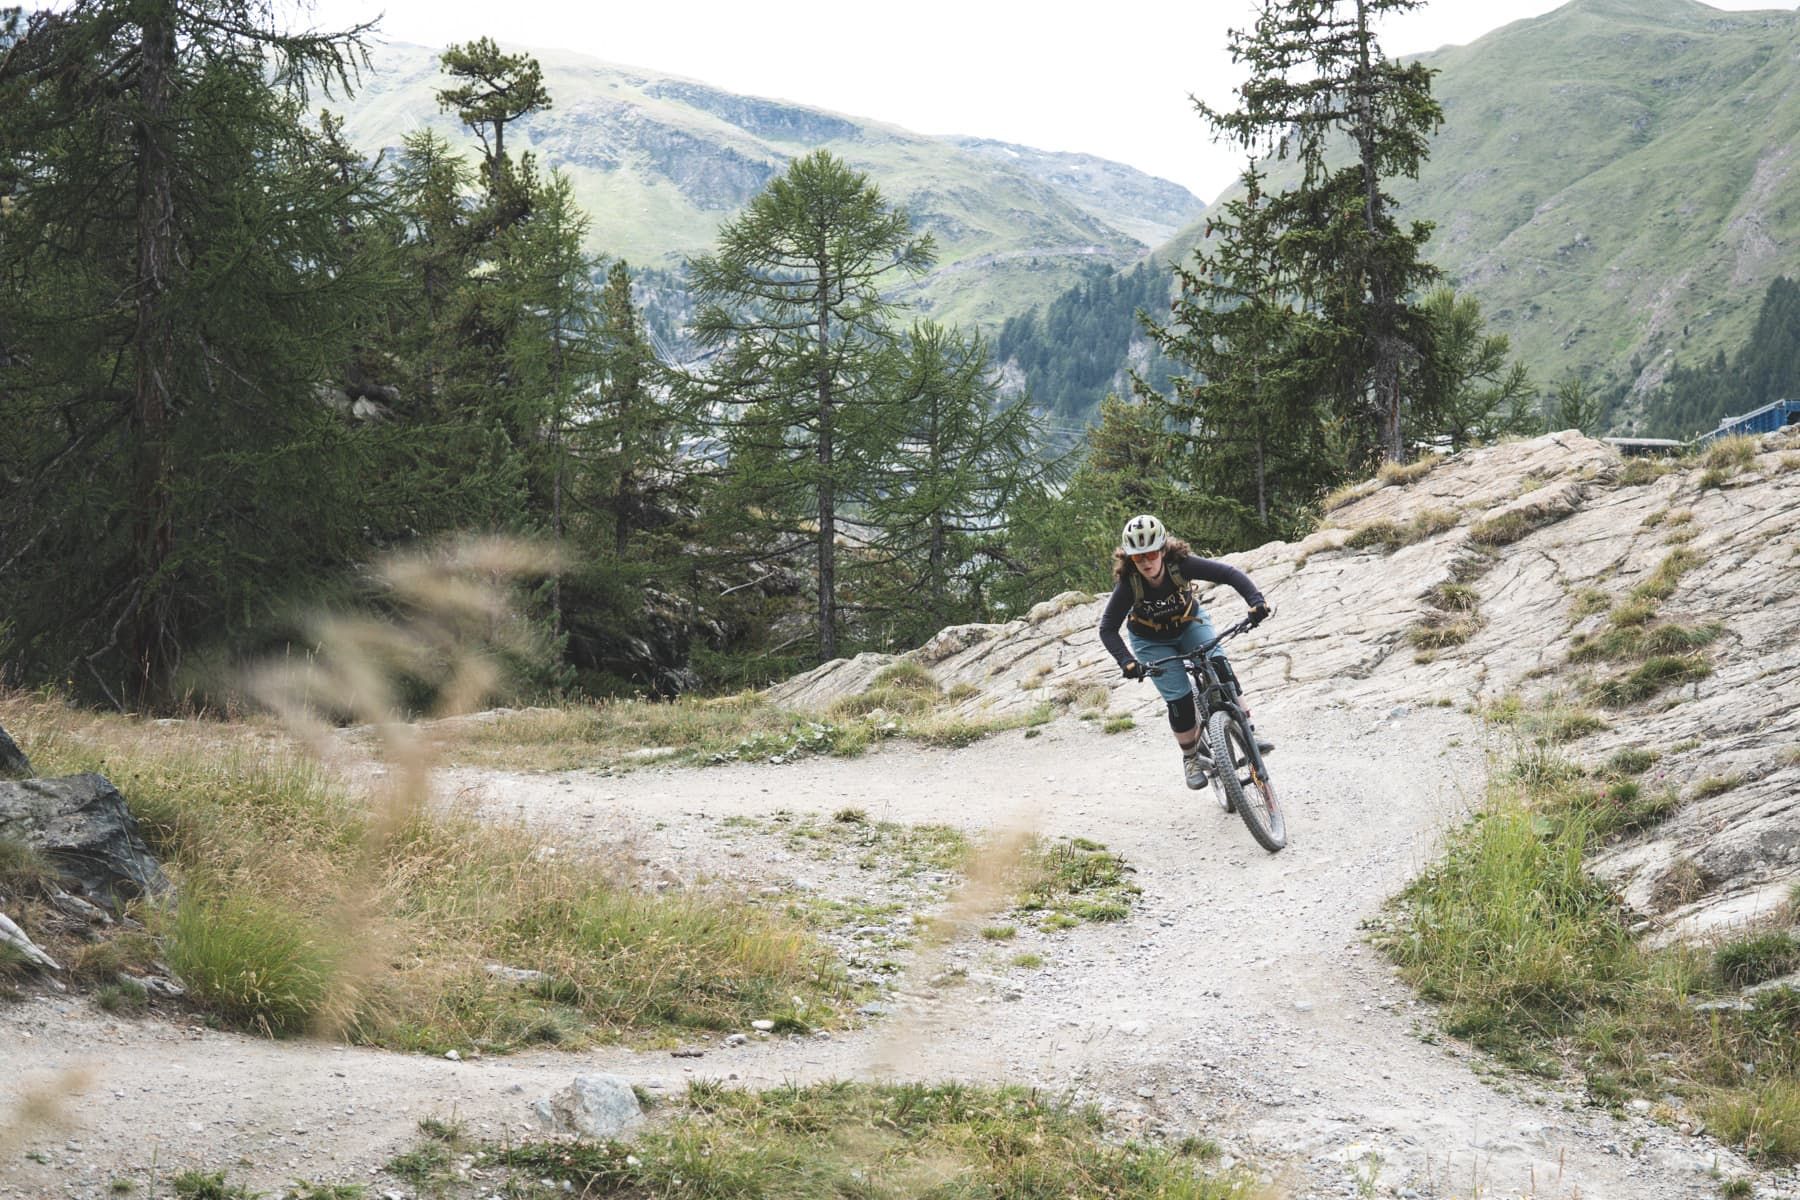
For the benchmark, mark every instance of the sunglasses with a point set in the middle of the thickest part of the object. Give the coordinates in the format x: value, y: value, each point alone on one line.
x: 1147, y: 556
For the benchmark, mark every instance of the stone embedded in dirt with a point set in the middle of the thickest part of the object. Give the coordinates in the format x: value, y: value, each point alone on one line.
x: 12, y: 935
x: 597, y: 1107
x: 13, y: 763
x: 81, y: 825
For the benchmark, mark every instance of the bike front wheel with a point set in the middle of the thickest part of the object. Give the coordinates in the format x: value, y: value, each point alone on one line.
x: 1240, y: 771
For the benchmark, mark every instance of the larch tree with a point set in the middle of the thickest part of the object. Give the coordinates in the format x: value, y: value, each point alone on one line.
x: 792, y: 305
x: 174, y: 280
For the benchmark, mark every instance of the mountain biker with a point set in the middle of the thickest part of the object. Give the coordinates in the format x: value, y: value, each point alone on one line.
x: 1153, y: 596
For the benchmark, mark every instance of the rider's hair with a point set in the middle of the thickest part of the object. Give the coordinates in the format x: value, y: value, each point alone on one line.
x: 1174, y: 547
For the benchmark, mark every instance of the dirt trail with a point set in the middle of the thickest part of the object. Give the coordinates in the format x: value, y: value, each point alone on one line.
x: 1238, y: 1003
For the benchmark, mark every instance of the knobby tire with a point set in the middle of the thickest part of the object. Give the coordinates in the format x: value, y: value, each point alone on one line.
x: 1246, y: 781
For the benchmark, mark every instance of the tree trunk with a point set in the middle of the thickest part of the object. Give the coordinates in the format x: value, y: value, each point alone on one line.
x: 1386, y: 367
x: 153, y: 351
x: 827, y: 495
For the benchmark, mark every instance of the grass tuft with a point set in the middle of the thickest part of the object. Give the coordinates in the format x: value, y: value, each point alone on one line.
x: 1656, y: 674
x: 1757, y: 959
x: 1393, y: 474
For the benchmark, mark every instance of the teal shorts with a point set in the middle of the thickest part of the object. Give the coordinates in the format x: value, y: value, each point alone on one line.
x: 1173, y: 682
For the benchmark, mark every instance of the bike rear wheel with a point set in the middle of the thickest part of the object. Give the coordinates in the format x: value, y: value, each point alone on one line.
x: 1240, y: 771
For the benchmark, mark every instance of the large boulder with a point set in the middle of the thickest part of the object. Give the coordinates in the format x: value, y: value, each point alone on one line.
x: 13, y: 763
x: 596, y: 1107
x: 80, y: 824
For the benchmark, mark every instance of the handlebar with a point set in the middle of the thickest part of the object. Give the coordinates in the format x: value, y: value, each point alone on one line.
x: 1158, y: 666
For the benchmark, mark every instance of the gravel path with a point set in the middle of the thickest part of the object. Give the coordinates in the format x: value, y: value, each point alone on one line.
x: 1238, y: 1003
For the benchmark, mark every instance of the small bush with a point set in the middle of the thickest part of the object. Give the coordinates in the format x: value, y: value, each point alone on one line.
x: 1440, y: 631
x: 124, y: 998
x: 1118, y: 724
x: 1383, y: 535
x: 1000, y: 933
x: 257, y: 965
x: 1754, y: 960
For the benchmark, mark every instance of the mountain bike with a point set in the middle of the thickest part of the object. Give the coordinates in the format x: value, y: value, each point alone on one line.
x: 1240, y: 781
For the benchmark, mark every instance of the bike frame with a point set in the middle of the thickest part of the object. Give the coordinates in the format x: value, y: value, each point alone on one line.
x: 1210, y: 695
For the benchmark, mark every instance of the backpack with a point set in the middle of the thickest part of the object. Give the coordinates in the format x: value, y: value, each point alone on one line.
x: 1179, y: 604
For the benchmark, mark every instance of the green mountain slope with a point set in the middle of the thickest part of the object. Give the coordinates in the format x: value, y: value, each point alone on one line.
x: 1612, y: 182
x: 659, y: 161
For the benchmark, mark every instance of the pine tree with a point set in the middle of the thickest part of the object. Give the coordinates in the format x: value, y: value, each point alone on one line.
x: 936, y: 521
x: 1249, y: 409
x: 791, y: 301
x: 1318, y: 79
x: 176, y: 280
x: 1467, y: 392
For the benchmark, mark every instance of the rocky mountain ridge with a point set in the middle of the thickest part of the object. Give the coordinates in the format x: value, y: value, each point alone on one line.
x: 1487, y: 581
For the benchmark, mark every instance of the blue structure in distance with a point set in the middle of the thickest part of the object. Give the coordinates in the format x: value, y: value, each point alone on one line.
x: 1766, y: 419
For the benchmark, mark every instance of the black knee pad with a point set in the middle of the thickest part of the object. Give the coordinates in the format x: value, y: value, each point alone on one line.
x: 1182, y: 716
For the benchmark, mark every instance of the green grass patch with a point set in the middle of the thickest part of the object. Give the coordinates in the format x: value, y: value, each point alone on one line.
x: 1389, y: 536
x: 1654, y: 675
x: 1764, y: 1119
x: 1631, y: 761
x: 1716, y: 785
x: 1064, y: 883
x: 1633, y: 639
x: 1662, y: 581
x: 1028, y: 961
x: 1757, y: 959
x: 1000, y: 933
x: 1119, y: 724
x: 306, y: 907
x: 1532, y: 959
x: 1505, y: 528
x: 872, y: 1142
x: 1587, y: 601
x: 1730, y: 454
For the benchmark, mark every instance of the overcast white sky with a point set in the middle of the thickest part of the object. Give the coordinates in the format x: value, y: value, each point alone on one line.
x: 1102, y: 77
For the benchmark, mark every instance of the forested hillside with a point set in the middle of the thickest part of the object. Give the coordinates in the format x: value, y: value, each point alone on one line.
x: 1610, y: 184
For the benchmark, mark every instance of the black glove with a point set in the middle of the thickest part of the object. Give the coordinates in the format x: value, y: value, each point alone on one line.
x: 1133, y: 669
x: 1260, y: 613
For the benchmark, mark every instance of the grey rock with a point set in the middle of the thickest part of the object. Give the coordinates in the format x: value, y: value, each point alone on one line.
x: 82, y: 826
x: 12, y: 935
x: 599, y: 1107
x: 13, y: 763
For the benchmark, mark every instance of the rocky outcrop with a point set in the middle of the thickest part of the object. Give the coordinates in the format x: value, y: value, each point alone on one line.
x: 81, y: 826
x: 1534, y: 545
x: 770, y: 119
x: 13, y: 763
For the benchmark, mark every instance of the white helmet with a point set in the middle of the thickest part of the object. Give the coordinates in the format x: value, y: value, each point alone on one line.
x: 1142, y: 535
